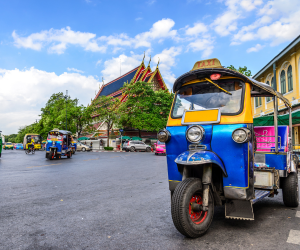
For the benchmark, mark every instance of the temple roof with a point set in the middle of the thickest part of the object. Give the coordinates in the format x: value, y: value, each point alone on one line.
x: 118, y: 83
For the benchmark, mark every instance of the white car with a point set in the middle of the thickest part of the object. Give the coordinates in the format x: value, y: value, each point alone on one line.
x: 82, y: 147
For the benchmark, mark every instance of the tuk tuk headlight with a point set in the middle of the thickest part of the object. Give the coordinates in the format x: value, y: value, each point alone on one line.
x: 241, y: 135
x: 194, y: 134
x: 163, y: 135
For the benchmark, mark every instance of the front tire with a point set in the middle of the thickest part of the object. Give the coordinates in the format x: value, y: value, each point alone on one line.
x: 51, y: 155
x: 187, y: 222
x: 290, y: 190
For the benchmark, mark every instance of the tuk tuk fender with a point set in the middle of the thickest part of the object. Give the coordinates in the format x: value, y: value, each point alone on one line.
x: 199, y: 158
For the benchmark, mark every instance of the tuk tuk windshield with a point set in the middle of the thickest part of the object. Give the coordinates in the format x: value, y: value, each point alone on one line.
x: 205, y: 95
x: 36, y: 138
x: 54, y: 135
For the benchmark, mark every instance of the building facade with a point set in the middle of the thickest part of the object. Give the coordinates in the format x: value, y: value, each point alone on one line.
x: 282, y: 73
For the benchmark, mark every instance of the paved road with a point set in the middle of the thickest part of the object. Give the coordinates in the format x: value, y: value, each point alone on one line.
x: 117, y: 201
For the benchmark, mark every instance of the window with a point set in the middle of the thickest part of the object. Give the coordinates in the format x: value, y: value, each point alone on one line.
x: 257, y: 101
x: 268, y: 98
x: 290, y: 78
x: 205, y: 96
x: 283, y: 82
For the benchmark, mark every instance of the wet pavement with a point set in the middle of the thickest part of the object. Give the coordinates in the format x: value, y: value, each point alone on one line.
x: 108, y: 200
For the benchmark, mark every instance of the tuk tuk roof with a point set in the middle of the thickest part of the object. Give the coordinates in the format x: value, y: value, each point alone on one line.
x: 258, y: 88
x: 64, y: 132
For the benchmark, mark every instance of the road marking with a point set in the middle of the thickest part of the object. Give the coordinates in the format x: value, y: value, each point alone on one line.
x: 44, y: 165
x: 113, y: 157
x: 92, y: 159
x: 298, y: 214
x: 294, y: 237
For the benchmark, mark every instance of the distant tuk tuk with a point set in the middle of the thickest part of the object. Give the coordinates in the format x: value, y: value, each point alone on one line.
x: 216, y: 156
x: 37, y: 141
x: 59, y: 143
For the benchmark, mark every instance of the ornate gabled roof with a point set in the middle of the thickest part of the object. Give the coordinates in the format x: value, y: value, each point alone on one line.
x: 159, y: 78
x: 116, y: 84
x: 140, y: 73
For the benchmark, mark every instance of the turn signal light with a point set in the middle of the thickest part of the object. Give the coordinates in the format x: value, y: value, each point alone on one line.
x: 215, y: 76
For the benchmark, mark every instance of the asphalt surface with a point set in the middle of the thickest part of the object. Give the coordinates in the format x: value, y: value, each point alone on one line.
x: 107, y: 200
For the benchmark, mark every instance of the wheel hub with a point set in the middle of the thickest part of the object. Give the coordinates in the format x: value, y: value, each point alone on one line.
x: 195, y: 209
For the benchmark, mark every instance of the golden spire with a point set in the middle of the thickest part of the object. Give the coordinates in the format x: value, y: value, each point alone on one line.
x: 158, y: 63
x: 102, y: 80
x: 143, y: 57
x: 149, y: 61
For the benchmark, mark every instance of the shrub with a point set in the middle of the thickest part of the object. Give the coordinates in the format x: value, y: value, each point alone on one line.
x: 108, y: 148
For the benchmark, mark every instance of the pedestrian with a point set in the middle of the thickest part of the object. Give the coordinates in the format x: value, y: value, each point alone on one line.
x: 91, y: 145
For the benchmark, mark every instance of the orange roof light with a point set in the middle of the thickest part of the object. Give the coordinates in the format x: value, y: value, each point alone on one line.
x: 215, y: 76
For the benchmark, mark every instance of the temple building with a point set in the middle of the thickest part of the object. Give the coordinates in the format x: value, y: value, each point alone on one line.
x: 282, y: 73
x: 113, y: 88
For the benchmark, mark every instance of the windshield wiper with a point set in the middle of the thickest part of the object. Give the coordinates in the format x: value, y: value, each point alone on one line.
x: 218, y: 86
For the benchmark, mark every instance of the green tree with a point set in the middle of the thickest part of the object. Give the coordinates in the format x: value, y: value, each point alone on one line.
x: 11, y: 138
x: 59, y: 110
x: 54, y: 116
x: 144, y: 109
x: 105, y: 108
x: 242, y: 70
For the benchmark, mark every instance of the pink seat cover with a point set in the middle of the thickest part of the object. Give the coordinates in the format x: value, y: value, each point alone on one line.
x: 269, y: 142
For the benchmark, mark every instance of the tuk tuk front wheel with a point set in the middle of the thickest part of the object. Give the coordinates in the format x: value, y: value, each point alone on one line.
x: 290, y: 190
x: 51, y: 155
x: 188, y: 221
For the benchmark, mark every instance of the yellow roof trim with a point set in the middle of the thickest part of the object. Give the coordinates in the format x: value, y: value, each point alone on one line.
x: 136, y: 73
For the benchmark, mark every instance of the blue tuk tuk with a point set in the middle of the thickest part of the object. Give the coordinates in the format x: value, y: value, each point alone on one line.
x: 59, y: 143
x: 216, y: 156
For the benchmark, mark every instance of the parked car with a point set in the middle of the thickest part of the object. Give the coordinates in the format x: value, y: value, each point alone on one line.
x: 160, y: 148
x: 18, y: 146
x: 8, y: 145
x: 136, y: 146
x: 82, y: 147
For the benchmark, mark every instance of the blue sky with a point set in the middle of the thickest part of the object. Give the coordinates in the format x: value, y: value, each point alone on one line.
x: 51, y: 46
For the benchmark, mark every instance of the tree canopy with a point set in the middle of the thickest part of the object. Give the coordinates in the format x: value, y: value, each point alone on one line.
x: 242, y: 70
x: 105, y: 110
x: 54, y: 115
x: 144, y: 109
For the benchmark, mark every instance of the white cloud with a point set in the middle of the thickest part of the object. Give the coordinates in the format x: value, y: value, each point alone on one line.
x: 98, y: 62
x: 167, y: 61
x: 256, y: 48
x: 58, y: 40
x: 160, y: 30
x: 24, y: 92
x: 75, y: 70
x: 197, y: 29
x: 112, y: 67
x: 227, y: 22
x: 278, y: 23
x: 203, y: 44
x: 138, y: 19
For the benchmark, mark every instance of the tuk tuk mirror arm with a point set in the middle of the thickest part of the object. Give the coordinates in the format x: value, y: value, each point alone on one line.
x: 218, y: 86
